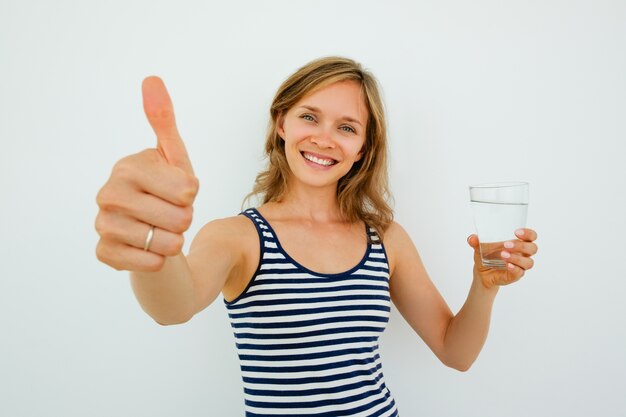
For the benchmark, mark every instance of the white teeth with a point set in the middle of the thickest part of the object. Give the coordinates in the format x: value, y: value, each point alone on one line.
x: 325, y: 162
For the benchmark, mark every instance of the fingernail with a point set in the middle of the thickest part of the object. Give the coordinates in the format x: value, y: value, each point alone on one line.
x: 519, y: 232
x: 505, y: 254
x: 510, y: 266
x: 508, y: 245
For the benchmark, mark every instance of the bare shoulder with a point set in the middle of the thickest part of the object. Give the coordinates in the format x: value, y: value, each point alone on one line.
x: 396, y: 236
x: 398, y: 244
x: 394, y: 232
x: 226, y: 242
x: 228, y: 229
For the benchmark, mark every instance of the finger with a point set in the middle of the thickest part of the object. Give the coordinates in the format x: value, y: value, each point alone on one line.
x: 128, y: 258
x: 150, y: 209
x: 166, y: 182
x: 519, y: 246
x: 119, y: 228
x: 160, y: 113
x: 522, y: 262
x: 526, y: 234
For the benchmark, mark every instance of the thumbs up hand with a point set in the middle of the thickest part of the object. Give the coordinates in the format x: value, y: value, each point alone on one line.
x: 147, y: 203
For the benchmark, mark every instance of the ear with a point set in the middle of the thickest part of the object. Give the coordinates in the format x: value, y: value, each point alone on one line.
x: 280, y: 121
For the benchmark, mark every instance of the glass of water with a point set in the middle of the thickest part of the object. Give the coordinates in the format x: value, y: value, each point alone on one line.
x: 499, y: 209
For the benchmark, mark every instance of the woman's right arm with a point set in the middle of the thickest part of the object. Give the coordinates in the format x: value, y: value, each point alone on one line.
x: 157, y: 188
x: 186, y: 285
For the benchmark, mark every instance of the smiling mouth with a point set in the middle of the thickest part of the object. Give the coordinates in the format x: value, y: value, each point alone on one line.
x: 320, y: 161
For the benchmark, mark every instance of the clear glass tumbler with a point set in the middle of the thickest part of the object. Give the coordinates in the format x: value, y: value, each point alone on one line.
x: 499, y: 209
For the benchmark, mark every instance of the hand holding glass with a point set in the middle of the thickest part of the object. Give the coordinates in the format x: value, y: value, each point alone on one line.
x: 499, y: 209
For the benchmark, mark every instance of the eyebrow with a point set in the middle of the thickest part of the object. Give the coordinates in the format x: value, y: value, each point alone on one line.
x: 347, y: 118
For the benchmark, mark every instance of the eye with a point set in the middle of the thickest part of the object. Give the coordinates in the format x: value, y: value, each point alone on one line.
x: 349, y: 129
x: 308, y: 117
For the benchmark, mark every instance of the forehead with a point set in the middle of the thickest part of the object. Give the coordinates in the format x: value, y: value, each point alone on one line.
x: 341, y: 99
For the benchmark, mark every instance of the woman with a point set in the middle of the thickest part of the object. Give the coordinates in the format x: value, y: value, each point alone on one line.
x: 308, y: 276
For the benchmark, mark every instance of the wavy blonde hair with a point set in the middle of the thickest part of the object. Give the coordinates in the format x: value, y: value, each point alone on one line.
x: 363, y: 193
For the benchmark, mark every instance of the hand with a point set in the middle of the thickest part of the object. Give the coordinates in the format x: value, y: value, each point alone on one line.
x: 155, y: 187
x: 517, y: 263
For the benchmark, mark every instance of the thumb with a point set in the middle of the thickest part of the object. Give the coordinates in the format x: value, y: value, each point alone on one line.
x: 472, y: 240
x: 160, y: 113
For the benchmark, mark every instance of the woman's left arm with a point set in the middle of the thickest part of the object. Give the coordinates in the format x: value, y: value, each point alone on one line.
x: 455, y: 339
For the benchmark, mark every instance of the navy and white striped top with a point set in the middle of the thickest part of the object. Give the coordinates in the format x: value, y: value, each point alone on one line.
x: 308, y: 342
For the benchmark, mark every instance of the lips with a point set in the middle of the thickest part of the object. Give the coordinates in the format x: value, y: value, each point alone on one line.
x: 318, y: 159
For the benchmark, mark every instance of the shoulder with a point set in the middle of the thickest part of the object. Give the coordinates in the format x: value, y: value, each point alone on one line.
x: 397, y: 243
x: 395, y: 234
x: 220, y: 251
x: 234, y: 230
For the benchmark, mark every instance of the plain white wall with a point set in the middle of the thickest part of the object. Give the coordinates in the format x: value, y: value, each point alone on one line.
x: 475, y: 91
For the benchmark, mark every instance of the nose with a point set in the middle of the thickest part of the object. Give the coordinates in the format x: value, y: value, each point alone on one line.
x: 324, y: 139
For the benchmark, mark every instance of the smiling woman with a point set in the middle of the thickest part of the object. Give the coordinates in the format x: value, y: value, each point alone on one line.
x: 309, y: 276
x: 335, y: 95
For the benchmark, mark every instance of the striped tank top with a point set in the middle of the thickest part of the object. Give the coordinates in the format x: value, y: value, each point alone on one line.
x: 308, y: 342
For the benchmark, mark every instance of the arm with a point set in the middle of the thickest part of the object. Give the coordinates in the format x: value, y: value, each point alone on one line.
x: 166, y: 295
x: 414, y: 294
x: 187, y: 285
x: 455, y: 339
x: 467, y: 332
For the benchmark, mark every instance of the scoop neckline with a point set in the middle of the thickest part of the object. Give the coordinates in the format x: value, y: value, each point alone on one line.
x: 308, y: 270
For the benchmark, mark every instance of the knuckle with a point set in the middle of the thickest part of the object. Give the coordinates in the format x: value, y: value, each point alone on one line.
x: 108, y: 234
x: 161, y: 114
x: 105, y: 228
x: 99, y: 223
x: 109, y: 197
x: 189, y: 190
x: 102, y: 225
x: 103, y: 255
x: 194, y: 184
x: 100, y: 253
x: 103, y: 197
x: 124, y: 169
x: 122, y: 164
x: 175, y: 246
x: 117, y: 267
x: 185, y: 216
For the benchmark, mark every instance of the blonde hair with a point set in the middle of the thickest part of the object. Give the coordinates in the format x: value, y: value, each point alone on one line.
x: 363, y: 193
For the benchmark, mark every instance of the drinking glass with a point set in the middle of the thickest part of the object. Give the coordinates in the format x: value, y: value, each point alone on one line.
x: 499, y: 208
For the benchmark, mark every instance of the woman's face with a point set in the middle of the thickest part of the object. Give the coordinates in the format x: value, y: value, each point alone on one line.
x: 324, y: 133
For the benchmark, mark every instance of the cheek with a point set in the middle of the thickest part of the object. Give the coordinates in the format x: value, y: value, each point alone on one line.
x: 301, y: 131
x: 353, y: 148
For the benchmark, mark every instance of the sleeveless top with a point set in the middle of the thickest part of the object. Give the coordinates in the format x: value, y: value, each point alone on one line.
x: 308, y: 342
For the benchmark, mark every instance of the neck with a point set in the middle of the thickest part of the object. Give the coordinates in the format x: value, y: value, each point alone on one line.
x: 318, y: 204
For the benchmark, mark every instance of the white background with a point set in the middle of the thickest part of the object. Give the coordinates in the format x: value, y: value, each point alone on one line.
x: 475, y: 91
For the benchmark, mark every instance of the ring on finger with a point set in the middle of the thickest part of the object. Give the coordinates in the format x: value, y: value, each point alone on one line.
x: 148, y: 241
